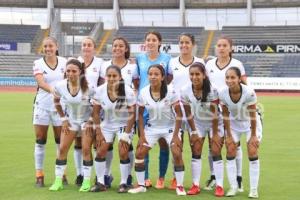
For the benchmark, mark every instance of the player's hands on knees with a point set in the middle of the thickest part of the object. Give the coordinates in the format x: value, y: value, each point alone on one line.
x: 89, y: 128
x: 66, y: 127
x: 229, y: 141
x: 193, y: 139
x: 253, y: 142
x: 176, y: 140
x: 216, y: 141
x: 124, y: 146
x: 142, y: 141
x: 99, y: 137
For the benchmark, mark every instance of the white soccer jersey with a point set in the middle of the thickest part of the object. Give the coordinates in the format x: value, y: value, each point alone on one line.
x: 113, y: 118
x: 200, y: 110
x: 93, y: 71
x: 239, y: 114
x: 78, y: 107
x: 161, y: 115
x: 181, y: 72
x: 128, y: 71
x: 217, y: 75
x: 44, y: 99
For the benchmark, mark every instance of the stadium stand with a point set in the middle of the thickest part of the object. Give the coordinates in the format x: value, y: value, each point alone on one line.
x: 263, y: 34
x: 136, y: 4
x: 18, y: 33
x: 266, y: 64
x: 271, y: 65
x: 16, y: 65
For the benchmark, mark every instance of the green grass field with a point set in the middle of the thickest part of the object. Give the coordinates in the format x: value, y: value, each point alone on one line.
x: 279, y: 156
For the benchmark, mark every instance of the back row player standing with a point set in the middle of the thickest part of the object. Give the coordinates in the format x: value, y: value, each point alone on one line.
x: 120, y: 58
x: 179, y: 68
x: 47, y: 71
x: 153, y: 56
x: 92, y: 68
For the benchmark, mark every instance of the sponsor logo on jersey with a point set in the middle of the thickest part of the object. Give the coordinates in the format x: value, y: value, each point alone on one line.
x: 94, y: 69
x: 129, y: 71
x: 62, y: 70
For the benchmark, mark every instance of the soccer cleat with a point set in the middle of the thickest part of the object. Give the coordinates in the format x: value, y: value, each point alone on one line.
x: 195, y: 189
x: 57, y: 185
x: 86, y: 186
x: 65, y: 180
x: 240, y: 184
x: 253, y: 193
x: 79, y: 180
x: 98, y: 187
x: 123, y: 188
x: 39, y: 182
x: 138, y: 189
x: 108, y: 179
x: 129, y: 181
x: 219, y: 192
x: 160, y: 183
x: 180, y: 191
x: 211, y: 183
x: 173, y: 184
x: 232, y: 192
x: 148, y: 183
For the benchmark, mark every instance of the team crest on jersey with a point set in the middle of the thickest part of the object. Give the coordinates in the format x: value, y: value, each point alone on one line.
x: 129, y: 71
x: 211, y: 71
x: 62, y: 70
x: 44, y: 72
x: 147, y: 104
x: 176, y: 68
x: 94, y: 69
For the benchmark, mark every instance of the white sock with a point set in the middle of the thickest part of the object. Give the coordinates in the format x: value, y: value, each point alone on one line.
x: 124, y: 165
x: 219, y: 172
x: 254, y: 173
x: 78, y: 161
x: 109, y: 158
x: 210, y: 161
x: 239, y: 160
x: 179, y: 175
x: 100, y: 168
x: 59, y: 170
x: 39, y: 155
x: 231, y: 173
x: 87, y: 169
x: 131, y: 164
x: 196, y: 166
x: 140, y: 176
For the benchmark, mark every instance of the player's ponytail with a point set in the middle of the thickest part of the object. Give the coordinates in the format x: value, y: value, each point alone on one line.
x: 206, y: 86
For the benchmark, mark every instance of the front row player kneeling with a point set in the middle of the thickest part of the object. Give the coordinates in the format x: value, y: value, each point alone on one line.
x: 159, y: 100
x: 239, y: 114
x: 75, y: 94
x: 117, y: 100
